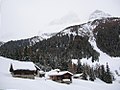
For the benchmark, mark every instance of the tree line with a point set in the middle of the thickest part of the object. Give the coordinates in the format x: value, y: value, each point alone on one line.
x: 92, y: 72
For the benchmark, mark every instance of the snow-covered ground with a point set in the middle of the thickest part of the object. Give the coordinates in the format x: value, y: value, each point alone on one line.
x: 113, y: 62
x: 7, y: 82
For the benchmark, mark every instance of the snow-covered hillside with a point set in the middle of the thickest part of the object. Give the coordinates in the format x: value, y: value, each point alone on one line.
x: 86, y: 29
x: 114, y: 62
x: 35, y: 39
x: 7, y: 82
x: 47, y: 35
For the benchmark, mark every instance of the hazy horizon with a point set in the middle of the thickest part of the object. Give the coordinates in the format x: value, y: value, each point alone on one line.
x: 21, y: 19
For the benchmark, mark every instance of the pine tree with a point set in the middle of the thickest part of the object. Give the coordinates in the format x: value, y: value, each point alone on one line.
x: 11, y: 68
x: 102, y: 73
x: 70, y: 66
x: 79, y: 67
x: 92, y: 75
x: 108, y: 77
x: 97, y: 71
x: 84, y: 75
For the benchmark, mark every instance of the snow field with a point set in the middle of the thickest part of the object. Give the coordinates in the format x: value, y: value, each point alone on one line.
x: 7, y: 82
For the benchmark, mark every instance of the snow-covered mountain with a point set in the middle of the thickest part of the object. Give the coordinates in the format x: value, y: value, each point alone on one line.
x: 98, y: 14
x: 89, y: 29
x: 94, y: 42
x: 47, y: 35
x: 72, y: 19
x: 86, y: 30
x: 81, y: 30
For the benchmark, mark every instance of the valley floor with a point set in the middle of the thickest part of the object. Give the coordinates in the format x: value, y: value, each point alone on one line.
x: 7, y: 82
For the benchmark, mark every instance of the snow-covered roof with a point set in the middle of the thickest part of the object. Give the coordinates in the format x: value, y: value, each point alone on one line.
x: 23, y: 65
x: 59, y: 73
x: 77, y: 75
x: 41, y: 72
x: 55, y: 70
x: 38, y: 68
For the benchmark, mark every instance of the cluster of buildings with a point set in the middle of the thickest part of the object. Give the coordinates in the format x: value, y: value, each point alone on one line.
x: 30, y: 70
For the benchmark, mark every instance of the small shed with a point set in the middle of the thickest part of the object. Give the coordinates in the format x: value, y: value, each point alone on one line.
x: 62, y: 77
x: 78, y: 76
x: 23, y: 70
x: 40, y: 73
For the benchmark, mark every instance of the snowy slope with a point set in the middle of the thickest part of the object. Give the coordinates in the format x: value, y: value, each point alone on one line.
x: 35, y: 39
x: 8, y: 82
x: 104, y: 58
x: 47, y: 35
x: 114, y: 63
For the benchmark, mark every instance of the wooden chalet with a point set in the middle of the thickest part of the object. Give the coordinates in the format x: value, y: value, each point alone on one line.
x: 62, y: 77
x: 23, y: 70
x: 24, y: 73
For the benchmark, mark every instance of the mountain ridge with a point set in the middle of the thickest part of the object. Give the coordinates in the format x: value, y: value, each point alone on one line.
x: 86, y: 29
x: 73, y: 42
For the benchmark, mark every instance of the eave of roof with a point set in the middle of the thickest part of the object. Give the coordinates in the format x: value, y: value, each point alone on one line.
x: 60, y: 73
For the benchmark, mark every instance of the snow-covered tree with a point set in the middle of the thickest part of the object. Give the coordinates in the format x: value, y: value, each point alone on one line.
x: 108, y: 76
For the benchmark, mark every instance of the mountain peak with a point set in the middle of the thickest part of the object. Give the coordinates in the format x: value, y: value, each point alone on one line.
x: 98, y: 14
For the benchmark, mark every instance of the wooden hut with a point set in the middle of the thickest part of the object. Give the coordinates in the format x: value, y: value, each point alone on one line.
x: 62, y: 77
x: 23, y: 70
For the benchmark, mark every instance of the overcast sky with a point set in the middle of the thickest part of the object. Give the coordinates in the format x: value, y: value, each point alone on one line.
x: 26, y: 18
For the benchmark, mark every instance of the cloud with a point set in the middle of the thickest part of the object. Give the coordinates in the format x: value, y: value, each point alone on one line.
x: 67, y: 19
x: 24, y: 18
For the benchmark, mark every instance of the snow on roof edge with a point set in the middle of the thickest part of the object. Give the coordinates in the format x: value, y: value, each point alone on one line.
x: 23, y: 65
x: 59, y: 73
